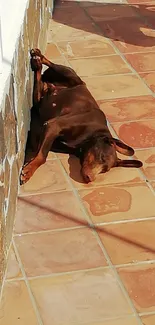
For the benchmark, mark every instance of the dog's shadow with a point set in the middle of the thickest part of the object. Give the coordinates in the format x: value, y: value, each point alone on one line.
x: 75, y: 169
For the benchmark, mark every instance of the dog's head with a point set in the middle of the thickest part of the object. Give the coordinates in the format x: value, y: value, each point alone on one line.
x: 99, y: 156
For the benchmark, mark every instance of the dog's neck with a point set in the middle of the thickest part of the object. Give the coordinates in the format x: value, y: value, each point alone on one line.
x: 105, y: 135
x: 102, y: 134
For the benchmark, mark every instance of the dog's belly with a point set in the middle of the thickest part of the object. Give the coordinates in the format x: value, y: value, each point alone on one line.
x: 64, y: 101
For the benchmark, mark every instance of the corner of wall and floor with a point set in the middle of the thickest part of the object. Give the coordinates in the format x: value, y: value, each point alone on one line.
x: 15, y: 101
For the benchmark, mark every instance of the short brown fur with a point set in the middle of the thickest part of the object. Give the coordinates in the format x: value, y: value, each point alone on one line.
x: 65, y: 117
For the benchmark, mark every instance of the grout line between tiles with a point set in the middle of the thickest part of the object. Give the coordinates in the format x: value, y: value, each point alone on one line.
x: 41, y: 193
x: 44, y: 276
x: 147, y: 313
x: 50, y: 231
x: 131, y: 73
x: 76, y: 58
x: 149, y: 119
x: 14, y: 279
x: 5, y: 273
x: 102, y: 75
x: 146, y: 148
x: 55, y: 274
x: 121, y: 317
x: 124, y: 221
x: 40, y: 322
x: 135, y: 263
x: 59, y: 274
x: 90, y: 226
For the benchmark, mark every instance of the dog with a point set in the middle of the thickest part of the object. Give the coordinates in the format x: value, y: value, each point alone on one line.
x: 66, y: 118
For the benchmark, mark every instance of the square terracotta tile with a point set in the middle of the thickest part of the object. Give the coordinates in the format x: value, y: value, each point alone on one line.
x: 114, y: 176
x: 129, y: 242
x: 60, y: 32
x: 148, y: 320
x: 47, y: 212
x: 142, y: 62
x: 91, y: 46
x: 13, y: 268
x: 140, y: 283
x: 149, y: 79
x: 118, y: 86
x: 126, y: 109
x: 106, y: 12
x: 99, y: 66
x: 137, y: 134
x: 47, y: 178
x: 148, y: 158
x: 73, y: 16
x: 52, y: 51
x: 84, y: 297
x: 106, y: 204
x: 59, y: 252
x: 16, y: 306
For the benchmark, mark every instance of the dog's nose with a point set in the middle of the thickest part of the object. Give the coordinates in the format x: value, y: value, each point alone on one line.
x: 88, y: 178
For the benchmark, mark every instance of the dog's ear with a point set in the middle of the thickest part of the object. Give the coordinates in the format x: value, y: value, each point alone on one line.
x: 123, y: 148
x: 129, y: 163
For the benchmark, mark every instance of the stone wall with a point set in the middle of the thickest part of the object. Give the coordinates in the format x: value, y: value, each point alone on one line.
x: 15, y: 116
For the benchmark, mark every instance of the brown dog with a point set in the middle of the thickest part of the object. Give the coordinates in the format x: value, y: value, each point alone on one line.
x: 65, y: 117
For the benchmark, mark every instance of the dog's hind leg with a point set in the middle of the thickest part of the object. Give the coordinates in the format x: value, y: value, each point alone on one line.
x: 36, y: 65
x: 58, y: 72
x: 35, y: 126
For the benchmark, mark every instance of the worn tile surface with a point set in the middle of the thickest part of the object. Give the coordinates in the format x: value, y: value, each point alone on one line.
x: 76, y: 294
x: 128, y: 108
x: 129, y: 242
x: 139, y: 282
x: 84, y: 254
x: 59, y: 252
x: 16, y: 305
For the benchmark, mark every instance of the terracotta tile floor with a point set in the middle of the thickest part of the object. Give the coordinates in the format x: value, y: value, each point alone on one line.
x: 85, y: 254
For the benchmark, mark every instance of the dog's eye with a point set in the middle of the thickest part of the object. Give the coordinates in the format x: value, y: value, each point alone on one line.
x: 107, y: 140
x: 104, y: 169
